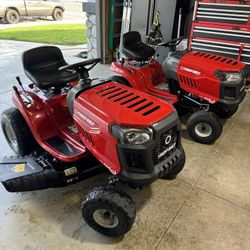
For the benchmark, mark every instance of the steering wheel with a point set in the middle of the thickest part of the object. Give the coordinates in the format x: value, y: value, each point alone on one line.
x: 172, y: 43
x: 81, y: 66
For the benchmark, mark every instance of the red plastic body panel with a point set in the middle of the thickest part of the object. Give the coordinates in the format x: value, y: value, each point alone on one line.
x: 145, y: 78
x: 95, y: 110
x: 48, y: 118
x: 196, y: 73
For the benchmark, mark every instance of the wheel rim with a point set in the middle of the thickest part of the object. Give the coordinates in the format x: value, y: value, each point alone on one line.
x: 11, y: 138
x: 203, y: 130
x: 13, y: 17
x: 105, y: 218
x: 58, y: 14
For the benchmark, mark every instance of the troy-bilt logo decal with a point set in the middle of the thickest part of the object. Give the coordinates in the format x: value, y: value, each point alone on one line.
x: 195, y: 72
x: 167, y: 150
x: 86, y: 119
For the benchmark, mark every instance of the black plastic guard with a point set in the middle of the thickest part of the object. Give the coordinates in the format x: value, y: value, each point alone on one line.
x: 16, y: 167
x: 20, y: 174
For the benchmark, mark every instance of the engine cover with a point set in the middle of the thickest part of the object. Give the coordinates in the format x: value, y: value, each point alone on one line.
x: 97, y: 108
x: 196, y: 72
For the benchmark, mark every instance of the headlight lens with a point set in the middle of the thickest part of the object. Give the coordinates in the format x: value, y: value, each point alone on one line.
x: 233, y: 77
x: 132, y: 136
x: 136, y: 137
x: 229, y: 76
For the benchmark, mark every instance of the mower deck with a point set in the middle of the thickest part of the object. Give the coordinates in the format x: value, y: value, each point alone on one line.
x: 20, y: 174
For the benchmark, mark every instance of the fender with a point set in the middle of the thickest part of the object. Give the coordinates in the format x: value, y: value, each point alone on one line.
x: 145, y: 79
x: 41, y: 124
x: 132, y: 76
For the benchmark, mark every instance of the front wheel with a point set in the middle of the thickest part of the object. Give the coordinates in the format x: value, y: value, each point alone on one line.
x: 109, y: 211
x: 57, y: 14
x: 12, y: 16
x: 204, y: 127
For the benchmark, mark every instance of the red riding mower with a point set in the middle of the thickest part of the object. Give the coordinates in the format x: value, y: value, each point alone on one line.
x: 206, y: 84
x: 65, y: 130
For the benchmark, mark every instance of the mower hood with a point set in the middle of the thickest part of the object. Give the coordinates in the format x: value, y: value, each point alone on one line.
x: 202, y: 63
x: 115, y: 103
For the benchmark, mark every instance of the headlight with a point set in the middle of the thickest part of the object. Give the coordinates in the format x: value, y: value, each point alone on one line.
x: 229, y: 76
x: 132, y: 136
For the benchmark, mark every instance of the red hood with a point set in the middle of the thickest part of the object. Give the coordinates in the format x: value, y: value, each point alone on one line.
x: 113, y: 102
x: 202, y: 63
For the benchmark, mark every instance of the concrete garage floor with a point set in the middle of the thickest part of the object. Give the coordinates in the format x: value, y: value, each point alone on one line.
x: 206, y: 207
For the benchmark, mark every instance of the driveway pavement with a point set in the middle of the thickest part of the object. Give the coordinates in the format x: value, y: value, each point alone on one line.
x: 70, y: 17
x: 206, y: 207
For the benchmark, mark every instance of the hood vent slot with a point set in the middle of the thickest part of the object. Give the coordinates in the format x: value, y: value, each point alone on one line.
x: 86, y: 135
x: 151, y: 111
x: 137, y: 103
x: 118, y: 94
x: 188, y: 81
x: 111, y: 92
x: 123, y: 97
x: 216, y: 58
x: 129, y: 100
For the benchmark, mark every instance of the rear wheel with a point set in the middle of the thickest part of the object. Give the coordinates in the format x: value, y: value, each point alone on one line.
x: 227, y: 112
x: 57, y: 14
x: 204, y: 127
x: 12, y: 16
x: 120, y: 79
x: 109, y: 211
x: 17, y: 132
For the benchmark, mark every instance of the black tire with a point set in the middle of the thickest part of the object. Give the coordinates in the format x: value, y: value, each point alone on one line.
x: 120, y: 79
x: 17, y: 132
x: 12, y: 16
x: 57, y: 14
x: 204, y: 127
x: 115, y: 205
x: 227, y: 112
x: 175, y: 169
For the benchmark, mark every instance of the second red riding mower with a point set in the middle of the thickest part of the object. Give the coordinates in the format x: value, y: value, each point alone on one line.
x: 64, y: 130
x: 206, y: 84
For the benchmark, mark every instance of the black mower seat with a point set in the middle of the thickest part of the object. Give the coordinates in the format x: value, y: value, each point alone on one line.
x: 41, y: 66
x: 134, y: 48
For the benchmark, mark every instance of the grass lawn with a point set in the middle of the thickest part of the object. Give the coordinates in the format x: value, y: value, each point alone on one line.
x: 63, y: 34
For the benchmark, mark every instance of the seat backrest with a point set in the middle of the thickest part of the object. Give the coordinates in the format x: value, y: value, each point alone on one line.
x: 134, y: 48
x: 131, y: 38
x: 42, y: 58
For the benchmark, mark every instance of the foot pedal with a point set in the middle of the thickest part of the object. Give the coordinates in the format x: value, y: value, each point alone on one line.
x: 19, y: 174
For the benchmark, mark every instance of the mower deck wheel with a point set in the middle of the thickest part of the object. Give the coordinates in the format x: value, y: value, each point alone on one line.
x: 109, y: 211
x: 17, y: 132
x: 204, y: 127
x: 227, y: 111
